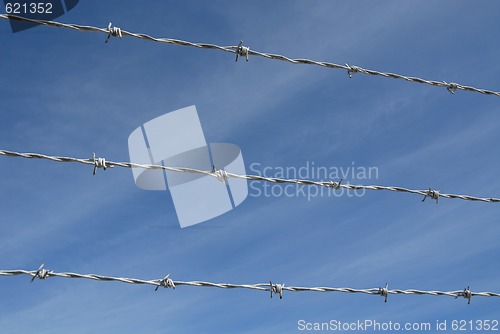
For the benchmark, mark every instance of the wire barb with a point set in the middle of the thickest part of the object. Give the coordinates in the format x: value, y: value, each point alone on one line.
x: 433, y: 194
x: 451, y: 87
x: 245, y: 51
x: 221, y: 175
x: 41, y: 273
x: 166, y: 282
x: 113, y: 31
x: 384, y: 292
x: 242, y: 51
x: 276, y: 289
x: 467, y: 294
x: 352, y: 70
x: 336, y: 185
x: 98, y: 163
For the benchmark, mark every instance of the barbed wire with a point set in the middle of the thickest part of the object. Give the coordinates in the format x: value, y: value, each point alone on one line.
x: 245, y: 51
x: 223, y: 175
x: 273, y: 289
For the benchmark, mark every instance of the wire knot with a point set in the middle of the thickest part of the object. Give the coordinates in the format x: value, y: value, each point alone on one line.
x: 433, y: 194
x: 98, y: 163
x: 113, y: 31
x: 384, y: 292
x: 166, y: 282
x: 276, y: 289
x: 352, y: 70
x: 242, y: 51
x: 335, y: 185
x: 467, y: 294
x: 40, y: 273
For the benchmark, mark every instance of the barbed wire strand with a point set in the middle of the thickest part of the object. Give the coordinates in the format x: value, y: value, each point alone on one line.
x: 167, y: 282
x: 222, y: 175
x: 245, y: 51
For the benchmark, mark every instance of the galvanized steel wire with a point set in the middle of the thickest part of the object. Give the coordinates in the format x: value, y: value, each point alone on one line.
x: 167, y: 282
x: 245, y: 51
x: 222, y: 175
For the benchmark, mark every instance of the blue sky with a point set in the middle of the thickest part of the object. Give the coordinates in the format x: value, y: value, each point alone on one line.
x: 68, y: 93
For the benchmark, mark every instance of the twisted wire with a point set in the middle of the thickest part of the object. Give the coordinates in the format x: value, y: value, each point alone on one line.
x: 44, y: 274
x: 246, y: 51
x: 102, y: 163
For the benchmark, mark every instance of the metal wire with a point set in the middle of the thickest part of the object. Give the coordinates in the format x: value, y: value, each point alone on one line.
x: 241, y: 50
x: 273, y: 288
x: 222, y: 175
